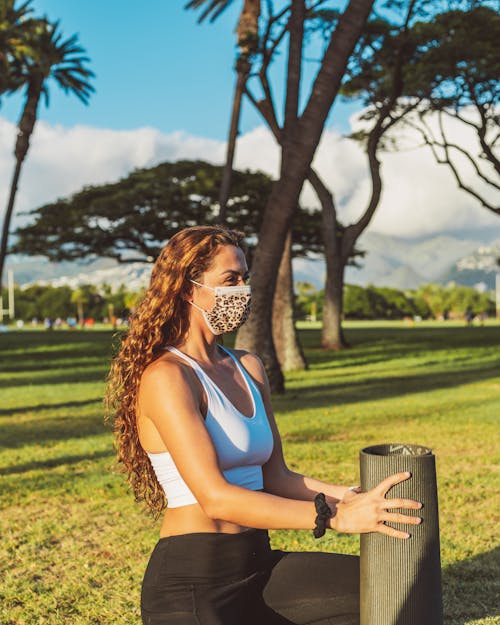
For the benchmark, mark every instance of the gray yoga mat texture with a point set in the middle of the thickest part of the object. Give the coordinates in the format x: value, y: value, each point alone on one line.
x: 400, y: 580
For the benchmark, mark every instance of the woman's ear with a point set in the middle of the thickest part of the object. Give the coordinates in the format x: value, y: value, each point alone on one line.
x: 187, y: 294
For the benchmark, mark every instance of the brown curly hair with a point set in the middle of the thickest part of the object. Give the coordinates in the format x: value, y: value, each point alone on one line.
x: 161, y: 319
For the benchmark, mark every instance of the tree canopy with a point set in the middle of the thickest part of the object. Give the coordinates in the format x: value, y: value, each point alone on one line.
x: 450, y: 75
x: 131, y: 219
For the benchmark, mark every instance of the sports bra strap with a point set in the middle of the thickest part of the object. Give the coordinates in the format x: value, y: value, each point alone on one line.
x: 241, y: 369
x: 205, y: 379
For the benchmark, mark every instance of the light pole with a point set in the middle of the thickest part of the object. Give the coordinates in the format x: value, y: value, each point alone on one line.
x: 497, y: 289
x: 10, y: 287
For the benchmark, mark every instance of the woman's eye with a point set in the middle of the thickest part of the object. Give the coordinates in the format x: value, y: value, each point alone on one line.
x: 235, y: 280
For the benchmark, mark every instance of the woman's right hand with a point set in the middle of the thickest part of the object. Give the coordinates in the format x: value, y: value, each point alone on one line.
x: 368, y: 512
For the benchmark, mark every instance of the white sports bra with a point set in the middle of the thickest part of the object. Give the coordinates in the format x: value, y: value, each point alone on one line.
x: 243, y: 444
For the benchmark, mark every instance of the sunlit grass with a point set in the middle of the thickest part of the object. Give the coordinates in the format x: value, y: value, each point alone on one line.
x: 75, y: 545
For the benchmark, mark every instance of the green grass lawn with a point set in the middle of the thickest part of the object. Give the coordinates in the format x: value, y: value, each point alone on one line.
x: 74, y: 544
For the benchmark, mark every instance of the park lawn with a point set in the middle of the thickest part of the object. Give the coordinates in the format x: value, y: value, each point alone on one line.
x: 74, y: 544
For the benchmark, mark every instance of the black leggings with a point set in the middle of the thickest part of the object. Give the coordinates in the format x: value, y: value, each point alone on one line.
x: 237, y: 579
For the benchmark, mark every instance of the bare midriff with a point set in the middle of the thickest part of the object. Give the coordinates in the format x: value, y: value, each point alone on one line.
x: 191, y: 519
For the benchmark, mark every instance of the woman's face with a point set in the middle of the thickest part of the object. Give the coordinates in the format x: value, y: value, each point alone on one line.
x: 228, y: 268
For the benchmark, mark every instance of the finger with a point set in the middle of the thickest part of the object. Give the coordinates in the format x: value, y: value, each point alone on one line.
x: 395, y: 517
x: 391, y: 531
x: 391, y: 481
x: 349, y: 494
x: 402, y: 503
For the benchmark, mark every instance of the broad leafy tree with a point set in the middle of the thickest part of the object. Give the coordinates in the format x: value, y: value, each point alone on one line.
x: 48, y: 56
x: 377, y: 71
x: 131, y: 220
x: 398, y: 70
x: 456, y: 80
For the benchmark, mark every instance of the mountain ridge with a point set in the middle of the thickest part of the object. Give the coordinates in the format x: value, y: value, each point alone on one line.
x: 389, y: 261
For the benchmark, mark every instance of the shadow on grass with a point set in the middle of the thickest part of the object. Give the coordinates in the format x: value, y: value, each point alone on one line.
x: 55, y: 364
x: 77, y: 474
x: 42, y: 431
x: 54, y: 462
x: 335, y: 393
x: 35, y: 340
x: 343, y: 392
x: 471, y: 589
x: 7, y: 412
x: 369, y: 345
x: 68, y: 375
x: 17, y: 348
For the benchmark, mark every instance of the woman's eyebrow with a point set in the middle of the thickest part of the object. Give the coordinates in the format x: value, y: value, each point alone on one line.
x: 235, y: 272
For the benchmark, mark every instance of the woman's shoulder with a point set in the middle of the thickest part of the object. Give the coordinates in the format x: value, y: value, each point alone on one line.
x: 167, y: 369
x: 252, y: 363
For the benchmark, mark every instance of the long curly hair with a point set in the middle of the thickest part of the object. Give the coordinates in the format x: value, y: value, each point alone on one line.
x: 161, y: 319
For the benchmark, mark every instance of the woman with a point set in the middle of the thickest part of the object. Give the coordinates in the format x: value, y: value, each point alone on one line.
x: 195, y: 429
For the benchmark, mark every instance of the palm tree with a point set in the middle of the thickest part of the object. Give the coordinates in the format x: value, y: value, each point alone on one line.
x: 247, y: 33
x: 47, y: 56
x: 80, y: 297
x: 13, y: 46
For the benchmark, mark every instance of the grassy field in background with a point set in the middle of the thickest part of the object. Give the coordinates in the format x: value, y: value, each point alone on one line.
x: 74, y: 544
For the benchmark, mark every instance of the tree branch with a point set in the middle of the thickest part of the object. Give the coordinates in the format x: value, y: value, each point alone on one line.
x: 265, y: 108
x: 481, y: 132
x: 457, y: 176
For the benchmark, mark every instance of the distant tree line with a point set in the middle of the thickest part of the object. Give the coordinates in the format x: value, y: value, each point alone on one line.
x: 430, y: 301
x: 86, y: 302
x: 102, y: 303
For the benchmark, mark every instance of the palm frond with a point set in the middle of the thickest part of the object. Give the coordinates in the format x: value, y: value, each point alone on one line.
x: 214, y: 8
x: 52, y: 56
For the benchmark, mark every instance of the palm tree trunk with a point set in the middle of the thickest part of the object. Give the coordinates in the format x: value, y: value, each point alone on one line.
x: 243, y: 69
x: 248, y: 38
x: 26, y: 126
x: 289, y: 351
x: 7, y: 219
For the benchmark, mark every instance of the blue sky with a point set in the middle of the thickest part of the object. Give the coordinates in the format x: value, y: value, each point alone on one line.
x: 155, y: 66
x: 164, y: 86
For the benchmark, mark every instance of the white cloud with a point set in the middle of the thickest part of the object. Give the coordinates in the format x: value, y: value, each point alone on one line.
x: 62, y: 160
x: 419, y: 197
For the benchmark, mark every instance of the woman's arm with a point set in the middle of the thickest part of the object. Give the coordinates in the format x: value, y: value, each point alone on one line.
x: 170, y: 400
x: 278, y: 478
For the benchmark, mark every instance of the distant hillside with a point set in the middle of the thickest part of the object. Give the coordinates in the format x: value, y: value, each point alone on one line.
x: 478, y: 268
x: 389, y: 261
x: 29, y: 269
x: 407, y: 264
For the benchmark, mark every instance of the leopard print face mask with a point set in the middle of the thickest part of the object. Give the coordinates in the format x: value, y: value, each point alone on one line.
x: 231, y: 308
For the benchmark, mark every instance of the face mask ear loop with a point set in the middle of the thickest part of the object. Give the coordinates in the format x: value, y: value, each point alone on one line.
x: 200, y: 284
x: 198, y: 307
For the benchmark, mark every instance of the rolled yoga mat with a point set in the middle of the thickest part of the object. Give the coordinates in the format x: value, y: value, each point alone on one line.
x: 400, y: 580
